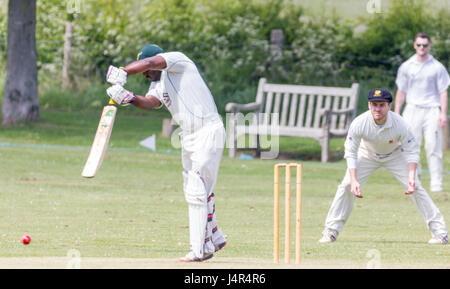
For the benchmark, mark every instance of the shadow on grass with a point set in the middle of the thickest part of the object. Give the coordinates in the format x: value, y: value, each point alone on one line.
x: 307, y: 156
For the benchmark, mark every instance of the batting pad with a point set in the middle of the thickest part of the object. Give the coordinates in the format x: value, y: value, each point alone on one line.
x: 194, y: 188
x: 196, y: 197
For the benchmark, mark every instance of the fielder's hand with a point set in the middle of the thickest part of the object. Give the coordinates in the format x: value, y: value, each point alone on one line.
x: 411, y: 188
x: 355, y: 188
x: 116, y: 75
x: 120, y: 95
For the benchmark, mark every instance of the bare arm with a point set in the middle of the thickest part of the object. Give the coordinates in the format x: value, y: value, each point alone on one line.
x: 444, y: 103
x: 400, y: 97
x: 151, y: 63
x: 149, y: 102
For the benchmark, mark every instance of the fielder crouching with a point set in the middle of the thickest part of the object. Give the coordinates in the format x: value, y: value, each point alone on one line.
x: 177, y: 83
x: 381, y: 138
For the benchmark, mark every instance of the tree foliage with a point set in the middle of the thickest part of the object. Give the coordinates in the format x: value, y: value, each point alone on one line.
x: 389, y: 36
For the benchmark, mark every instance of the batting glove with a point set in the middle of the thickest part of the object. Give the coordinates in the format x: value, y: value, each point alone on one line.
x: 120, y: 95
x: 116, y: 75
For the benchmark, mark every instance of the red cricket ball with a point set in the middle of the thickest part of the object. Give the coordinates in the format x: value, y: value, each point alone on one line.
x: 26, y: 239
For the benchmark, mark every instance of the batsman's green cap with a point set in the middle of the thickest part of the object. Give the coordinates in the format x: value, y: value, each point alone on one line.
x: 149, y: 51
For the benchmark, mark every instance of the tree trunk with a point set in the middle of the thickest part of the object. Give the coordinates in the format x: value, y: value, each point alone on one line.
x: 20, y: 101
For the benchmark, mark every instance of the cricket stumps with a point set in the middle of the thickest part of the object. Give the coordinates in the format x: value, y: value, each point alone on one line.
x: 287, y: 205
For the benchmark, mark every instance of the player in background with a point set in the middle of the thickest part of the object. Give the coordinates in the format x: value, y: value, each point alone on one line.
x: 177, y: 83
x: 423, y: 82
x: 381, y: 138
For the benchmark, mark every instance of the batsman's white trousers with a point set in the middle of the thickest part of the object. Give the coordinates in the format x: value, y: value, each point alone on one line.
x: 343, y: 201
x: 201, y: 155
x: 424, y: 123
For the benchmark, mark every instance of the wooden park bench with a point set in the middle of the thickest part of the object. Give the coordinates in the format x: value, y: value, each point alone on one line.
x: 299, y: 111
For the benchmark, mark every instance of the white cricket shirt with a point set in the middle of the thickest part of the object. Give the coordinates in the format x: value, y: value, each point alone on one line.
x: 422, y: 82
x: 379, y: 142
x: 185, y: 94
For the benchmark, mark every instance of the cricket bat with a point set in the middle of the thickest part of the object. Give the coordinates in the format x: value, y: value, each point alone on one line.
x: 101, y: 140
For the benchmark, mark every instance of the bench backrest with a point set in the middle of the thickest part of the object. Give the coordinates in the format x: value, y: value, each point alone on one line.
x: 303, y: 106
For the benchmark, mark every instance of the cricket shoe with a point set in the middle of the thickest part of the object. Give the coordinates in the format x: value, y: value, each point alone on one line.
x: 327, y: 239
x: 438, y: 241
x: 220, y: 246
x: 190, y: 257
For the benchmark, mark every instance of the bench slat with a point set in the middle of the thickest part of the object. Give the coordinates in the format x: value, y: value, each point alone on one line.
x: 310, y: 111
x: 276, y: 106
x: 336, y: 107
x: 301, y: 110
x: 268, y: 109
x: 343, y: 119
x: 318, y: 111
x: 284, y: 111
x: 293, y: 109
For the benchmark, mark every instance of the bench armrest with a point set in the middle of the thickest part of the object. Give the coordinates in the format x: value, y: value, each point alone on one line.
x: 345, y: 111
x: 328, y: 113
x: 236, y: 107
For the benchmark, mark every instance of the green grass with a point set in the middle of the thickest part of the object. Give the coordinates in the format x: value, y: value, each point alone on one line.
x: 78, y: 129
x: 135, y: 206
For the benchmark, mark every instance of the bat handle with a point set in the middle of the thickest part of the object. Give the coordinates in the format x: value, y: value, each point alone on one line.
x: 111, y: 101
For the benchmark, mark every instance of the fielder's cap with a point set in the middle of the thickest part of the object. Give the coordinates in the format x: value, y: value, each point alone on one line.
x: 149, y: 51
x: 379, y: 94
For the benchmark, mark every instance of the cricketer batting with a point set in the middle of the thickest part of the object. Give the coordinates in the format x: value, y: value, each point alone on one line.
x: 177, y: 84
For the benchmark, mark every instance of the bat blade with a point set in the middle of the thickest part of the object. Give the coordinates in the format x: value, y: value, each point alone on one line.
x: 101, y: 141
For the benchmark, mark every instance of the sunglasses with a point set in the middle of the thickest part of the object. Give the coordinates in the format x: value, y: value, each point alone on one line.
x: 422, y: 45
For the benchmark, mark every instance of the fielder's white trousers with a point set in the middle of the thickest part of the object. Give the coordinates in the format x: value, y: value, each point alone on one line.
x: 343, y: 201
x: 424, y: 123
x: 201, y: 155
